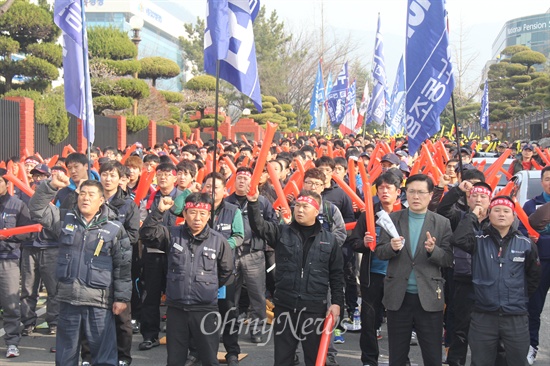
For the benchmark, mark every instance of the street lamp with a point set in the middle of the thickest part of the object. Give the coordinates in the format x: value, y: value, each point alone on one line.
x: 136, y: 23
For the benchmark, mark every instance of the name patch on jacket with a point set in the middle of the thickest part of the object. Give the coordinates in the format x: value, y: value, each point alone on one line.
x: 518, y: 259
x: 178, y: 247
x: 69, y: 227
x: 223, y: 227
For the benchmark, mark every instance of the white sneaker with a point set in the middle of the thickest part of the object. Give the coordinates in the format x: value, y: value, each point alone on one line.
x: 13, y: 351
x: 532, y: 355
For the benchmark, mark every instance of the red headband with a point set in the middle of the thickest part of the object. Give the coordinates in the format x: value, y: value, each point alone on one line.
x: 502, y: 202
x: 198, y: 205
x: 481, y: 190
x: 309, y: 200
x: 244, y: 172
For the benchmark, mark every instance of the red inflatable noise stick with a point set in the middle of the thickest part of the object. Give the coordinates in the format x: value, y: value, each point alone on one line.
x: 325, y: 340
x: 21, y: 230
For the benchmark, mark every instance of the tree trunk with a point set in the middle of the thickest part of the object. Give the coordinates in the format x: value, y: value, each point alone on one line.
x: 4, y: 8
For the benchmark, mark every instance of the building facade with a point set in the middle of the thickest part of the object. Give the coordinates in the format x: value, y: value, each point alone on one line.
x: 532, y: 31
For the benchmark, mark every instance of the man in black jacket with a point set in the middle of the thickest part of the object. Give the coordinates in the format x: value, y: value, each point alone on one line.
x: 250, y: 258
x: 373, y: 269
x: 477, y: 195
x: 505, y: 272
x: 199, y: 262
x: 309, y: 262
x: 154, y: 261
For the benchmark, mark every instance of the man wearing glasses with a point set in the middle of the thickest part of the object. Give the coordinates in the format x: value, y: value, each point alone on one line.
x: 413, y: 287
x: 329, y: 215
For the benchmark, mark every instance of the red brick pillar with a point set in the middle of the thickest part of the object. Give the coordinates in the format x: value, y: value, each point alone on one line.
x: 81, y: 141
x: 177, y: 132
x: 26, y: 124
x: 225, y: 128
x: 121, y: 131
x: 152, y: 133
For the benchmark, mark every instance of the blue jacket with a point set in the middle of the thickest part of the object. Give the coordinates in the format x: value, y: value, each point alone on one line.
x: 505, y: 271
x: 543, y: 244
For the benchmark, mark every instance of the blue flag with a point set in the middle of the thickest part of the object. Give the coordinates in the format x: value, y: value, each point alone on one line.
x: 484, y: 113
x: 318, y: 97
x: 69, y: 16
x: 428, y: 70
x: 349, y: 124
x: 229, y: 38
x: 377, y: 105
x: 397, y: 110
x: 336, y: 99
x: 323, y: 121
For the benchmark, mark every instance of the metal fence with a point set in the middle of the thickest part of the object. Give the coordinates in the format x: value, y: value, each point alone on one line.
x: 532, y: 126
x: 140, y: 136
x: 164, y: 133
x: 9, y: 124
x: 106, y: 132
x: 43, y: 145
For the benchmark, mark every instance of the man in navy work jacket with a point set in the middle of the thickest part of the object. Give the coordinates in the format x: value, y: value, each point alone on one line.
x: 199, y: 262
x: 505, y: 272
x: 93, y: 269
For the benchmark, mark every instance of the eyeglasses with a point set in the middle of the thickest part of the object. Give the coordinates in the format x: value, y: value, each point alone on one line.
x: 313, y: 184
x: 412, y: 192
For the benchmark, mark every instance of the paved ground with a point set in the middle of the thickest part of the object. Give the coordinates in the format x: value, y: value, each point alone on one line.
x: 35, y: 350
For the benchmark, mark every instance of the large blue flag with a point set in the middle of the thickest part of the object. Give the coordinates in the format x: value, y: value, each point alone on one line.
x: 484, y: 113
x: 336, y: 99
x: 377, y: 105
x: 69, y: 16
x: 317, y: 97
x: 397, y: 110
x: 229, y: 38
x: 428, y: 69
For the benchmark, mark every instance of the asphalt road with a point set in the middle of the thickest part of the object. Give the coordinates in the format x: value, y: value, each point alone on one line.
x: 35, y: 350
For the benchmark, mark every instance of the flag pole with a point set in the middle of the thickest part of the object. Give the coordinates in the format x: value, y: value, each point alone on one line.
x: 457, y: 136
x: 216, y: 106
x: 86, y: 78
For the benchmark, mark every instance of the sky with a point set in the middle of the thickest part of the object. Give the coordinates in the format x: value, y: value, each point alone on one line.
x: 481, y: 21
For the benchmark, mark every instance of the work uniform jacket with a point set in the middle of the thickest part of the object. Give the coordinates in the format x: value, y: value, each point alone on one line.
x: 505, y: 271
x: 197, y: 264
x: 93, y: 266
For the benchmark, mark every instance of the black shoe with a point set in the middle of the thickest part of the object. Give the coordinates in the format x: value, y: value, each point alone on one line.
x: 135, y: 326
x: 147, y: 344
x: 331, y: 361
x: 296, y: 359
x: 53, y: 329
x: 192, y: 361
x: 27, y: 331
x: 53, y: 350
x: 232, y: 361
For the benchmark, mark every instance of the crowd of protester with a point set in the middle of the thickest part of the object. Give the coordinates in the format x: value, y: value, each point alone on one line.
x: 316, y: 226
